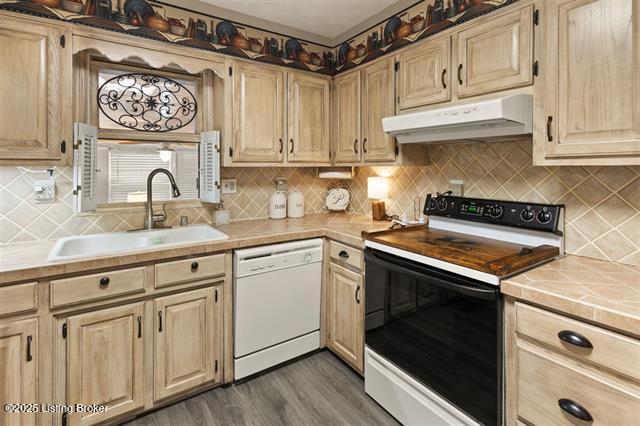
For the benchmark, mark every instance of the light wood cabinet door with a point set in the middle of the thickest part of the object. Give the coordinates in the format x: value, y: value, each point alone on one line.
x: 188, y: 341
x: 378, y: 93
x: 258, y: 114
x: 308, y: 117
x: 105, y: 363
x: 346, y: 122
x: 35, y: 71
x: 424, y: 74
x: 18, y: 369
x: 591, y: 72
x: 495, y: 55
x: 346, y: 315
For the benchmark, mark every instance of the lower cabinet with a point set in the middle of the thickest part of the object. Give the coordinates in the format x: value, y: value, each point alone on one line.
x: 18, y: 369
x: 105, y: 362
x: 188, y: 341
x: 345, y: 315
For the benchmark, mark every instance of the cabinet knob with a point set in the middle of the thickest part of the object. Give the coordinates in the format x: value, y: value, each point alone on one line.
x: 343, y: 254
x: 104, y: 282
x: 194, y: 266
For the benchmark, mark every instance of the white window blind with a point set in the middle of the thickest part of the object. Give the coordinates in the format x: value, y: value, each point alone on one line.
x: 129, y: 169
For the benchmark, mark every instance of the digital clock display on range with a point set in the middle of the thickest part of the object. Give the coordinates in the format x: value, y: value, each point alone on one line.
x: 471, y: 208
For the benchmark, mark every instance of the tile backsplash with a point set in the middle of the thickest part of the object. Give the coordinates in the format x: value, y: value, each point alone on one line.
x: 602, y: 214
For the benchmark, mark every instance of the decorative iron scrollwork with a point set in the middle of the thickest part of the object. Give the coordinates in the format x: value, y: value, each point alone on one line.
x: 147, y: 102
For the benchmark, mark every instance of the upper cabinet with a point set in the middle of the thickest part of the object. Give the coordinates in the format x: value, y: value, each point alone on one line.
x: 346, y: 118
x: 377, y: 103
x: 35, y: 85
x: 258, y: 114
x: 588, y: 105
x: 495, y: 54
x: 308, y: 118
x: 424, y: 74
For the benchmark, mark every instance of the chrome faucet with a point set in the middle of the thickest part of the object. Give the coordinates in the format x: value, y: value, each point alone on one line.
x: 152, y: 219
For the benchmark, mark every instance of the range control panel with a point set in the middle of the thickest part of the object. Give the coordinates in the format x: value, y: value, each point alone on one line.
x: 540, y: 217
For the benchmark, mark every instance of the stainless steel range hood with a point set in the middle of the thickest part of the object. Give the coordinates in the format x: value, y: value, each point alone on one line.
x: 506, y: 116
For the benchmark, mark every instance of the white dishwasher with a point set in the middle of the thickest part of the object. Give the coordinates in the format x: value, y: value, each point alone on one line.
x: 276, y: 304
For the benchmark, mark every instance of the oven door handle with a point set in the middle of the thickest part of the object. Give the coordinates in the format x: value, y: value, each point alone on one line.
x: 399, y: 266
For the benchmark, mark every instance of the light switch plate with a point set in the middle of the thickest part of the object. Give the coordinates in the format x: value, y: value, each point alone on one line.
x: 229, y: 186
x: 44, y: 191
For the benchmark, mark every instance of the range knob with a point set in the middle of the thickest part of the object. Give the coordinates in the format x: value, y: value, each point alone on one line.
x: 442, y: 203
x: 431, y: 204
x: 496, y: 211
x: 544, y: 216
x: 527, y: 214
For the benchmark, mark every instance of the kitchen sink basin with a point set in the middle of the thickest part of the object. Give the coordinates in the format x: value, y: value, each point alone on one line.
x: 105, y: 244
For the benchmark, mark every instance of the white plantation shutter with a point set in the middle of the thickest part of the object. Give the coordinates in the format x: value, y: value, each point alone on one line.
x: 84, y: 167
x: 209, y: 176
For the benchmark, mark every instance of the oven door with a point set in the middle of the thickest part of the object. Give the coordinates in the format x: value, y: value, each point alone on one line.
x: 441, y: 328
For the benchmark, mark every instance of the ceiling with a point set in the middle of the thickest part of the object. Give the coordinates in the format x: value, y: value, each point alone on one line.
x: 327, y: 22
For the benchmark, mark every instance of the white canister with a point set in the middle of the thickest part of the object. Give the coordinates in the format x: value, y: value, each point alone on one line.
x: 295, y: 204
x: 278, y: 205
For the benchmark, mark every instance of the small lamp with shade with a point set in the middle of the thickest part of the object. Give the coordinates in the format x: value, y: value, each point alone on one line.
x: 377, y: 191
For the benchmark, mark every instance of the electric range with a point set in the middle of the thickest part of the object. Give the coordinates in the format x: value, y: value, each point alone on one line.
x: 433, y: 309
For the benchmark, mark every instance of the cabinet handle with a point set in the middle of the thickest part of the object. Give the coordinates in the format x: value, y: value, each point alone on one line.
x: 343, y: 254
x: 160, y: 321
x: 549, y: 120
x: 281, y: 145
x: 139, y: 327
x: 291, y: 150
x: 355, y: 146
x: 29, y: 355
x: 104, y: 282
x: 364, y: 145
x: 444, y: 83
x: 194, y: 266
x: 574, y: 409
x: 575, y: 339
x: 357, y: 293
x: 460, y: 74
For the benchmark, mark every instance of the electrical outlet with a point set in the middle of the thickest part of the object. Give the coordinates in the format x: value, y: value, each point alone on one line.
x: 229, y: 186
x: 45, y: 191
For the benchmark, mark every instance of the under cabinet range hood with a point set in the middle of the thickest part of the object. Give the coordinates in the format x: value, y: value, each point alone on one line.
x: 505, y: 116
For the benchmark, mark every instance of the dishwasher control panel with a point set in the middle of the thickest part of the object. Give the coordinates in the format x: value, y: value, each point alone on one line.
x: 260, y: 260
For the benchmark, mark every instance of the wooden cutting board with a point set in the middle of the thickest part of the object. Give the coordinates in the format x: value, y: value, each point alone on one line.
x: 494, y: 257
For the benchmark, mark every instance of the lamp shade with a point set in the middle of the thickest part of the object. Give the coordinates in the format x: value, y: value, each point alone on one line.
x: 377, y: 187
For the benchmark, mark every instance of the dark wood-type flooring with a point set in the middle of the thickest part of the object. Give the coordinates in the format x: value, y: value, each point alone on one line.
x: 316, y: 390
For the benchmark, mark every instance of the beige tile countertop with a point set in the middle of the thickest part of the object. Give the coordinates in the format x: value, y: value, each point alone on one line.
x: 28, y: 261
x: 606, y: 293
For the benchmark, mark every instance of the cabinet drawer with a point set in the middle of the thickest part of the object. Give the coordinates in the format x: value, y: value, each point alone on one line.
x: 608, y: 349
x: 545, y: 381
x: 86, y: 288
x: 18, y: 298
x: 349, y: 255
x: 186, y: 270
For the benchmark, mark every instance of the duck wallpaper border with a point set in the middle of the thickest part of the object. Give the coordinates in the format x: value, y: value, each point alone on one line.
x: 159, y: 21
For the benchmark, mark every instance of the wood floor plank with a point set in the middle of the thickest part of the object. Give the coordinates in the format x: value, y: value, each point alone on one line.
x: 317, y: 390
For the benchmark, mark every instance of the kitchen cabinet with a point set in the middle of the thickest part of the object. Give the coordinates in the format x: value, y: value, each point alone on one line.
x: 561, y: 370
x: 378, y: 90
x: 424, y: 74
x: 346, y: 122
x: 345, y: 315
x: 308, y: 118
x: 188, y: 341
x: 36, y: 77
x: 588, y: 108
x: 258, y: 114
x: 18, y: 369
x: 496, y: 54
x: 105, y: 363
